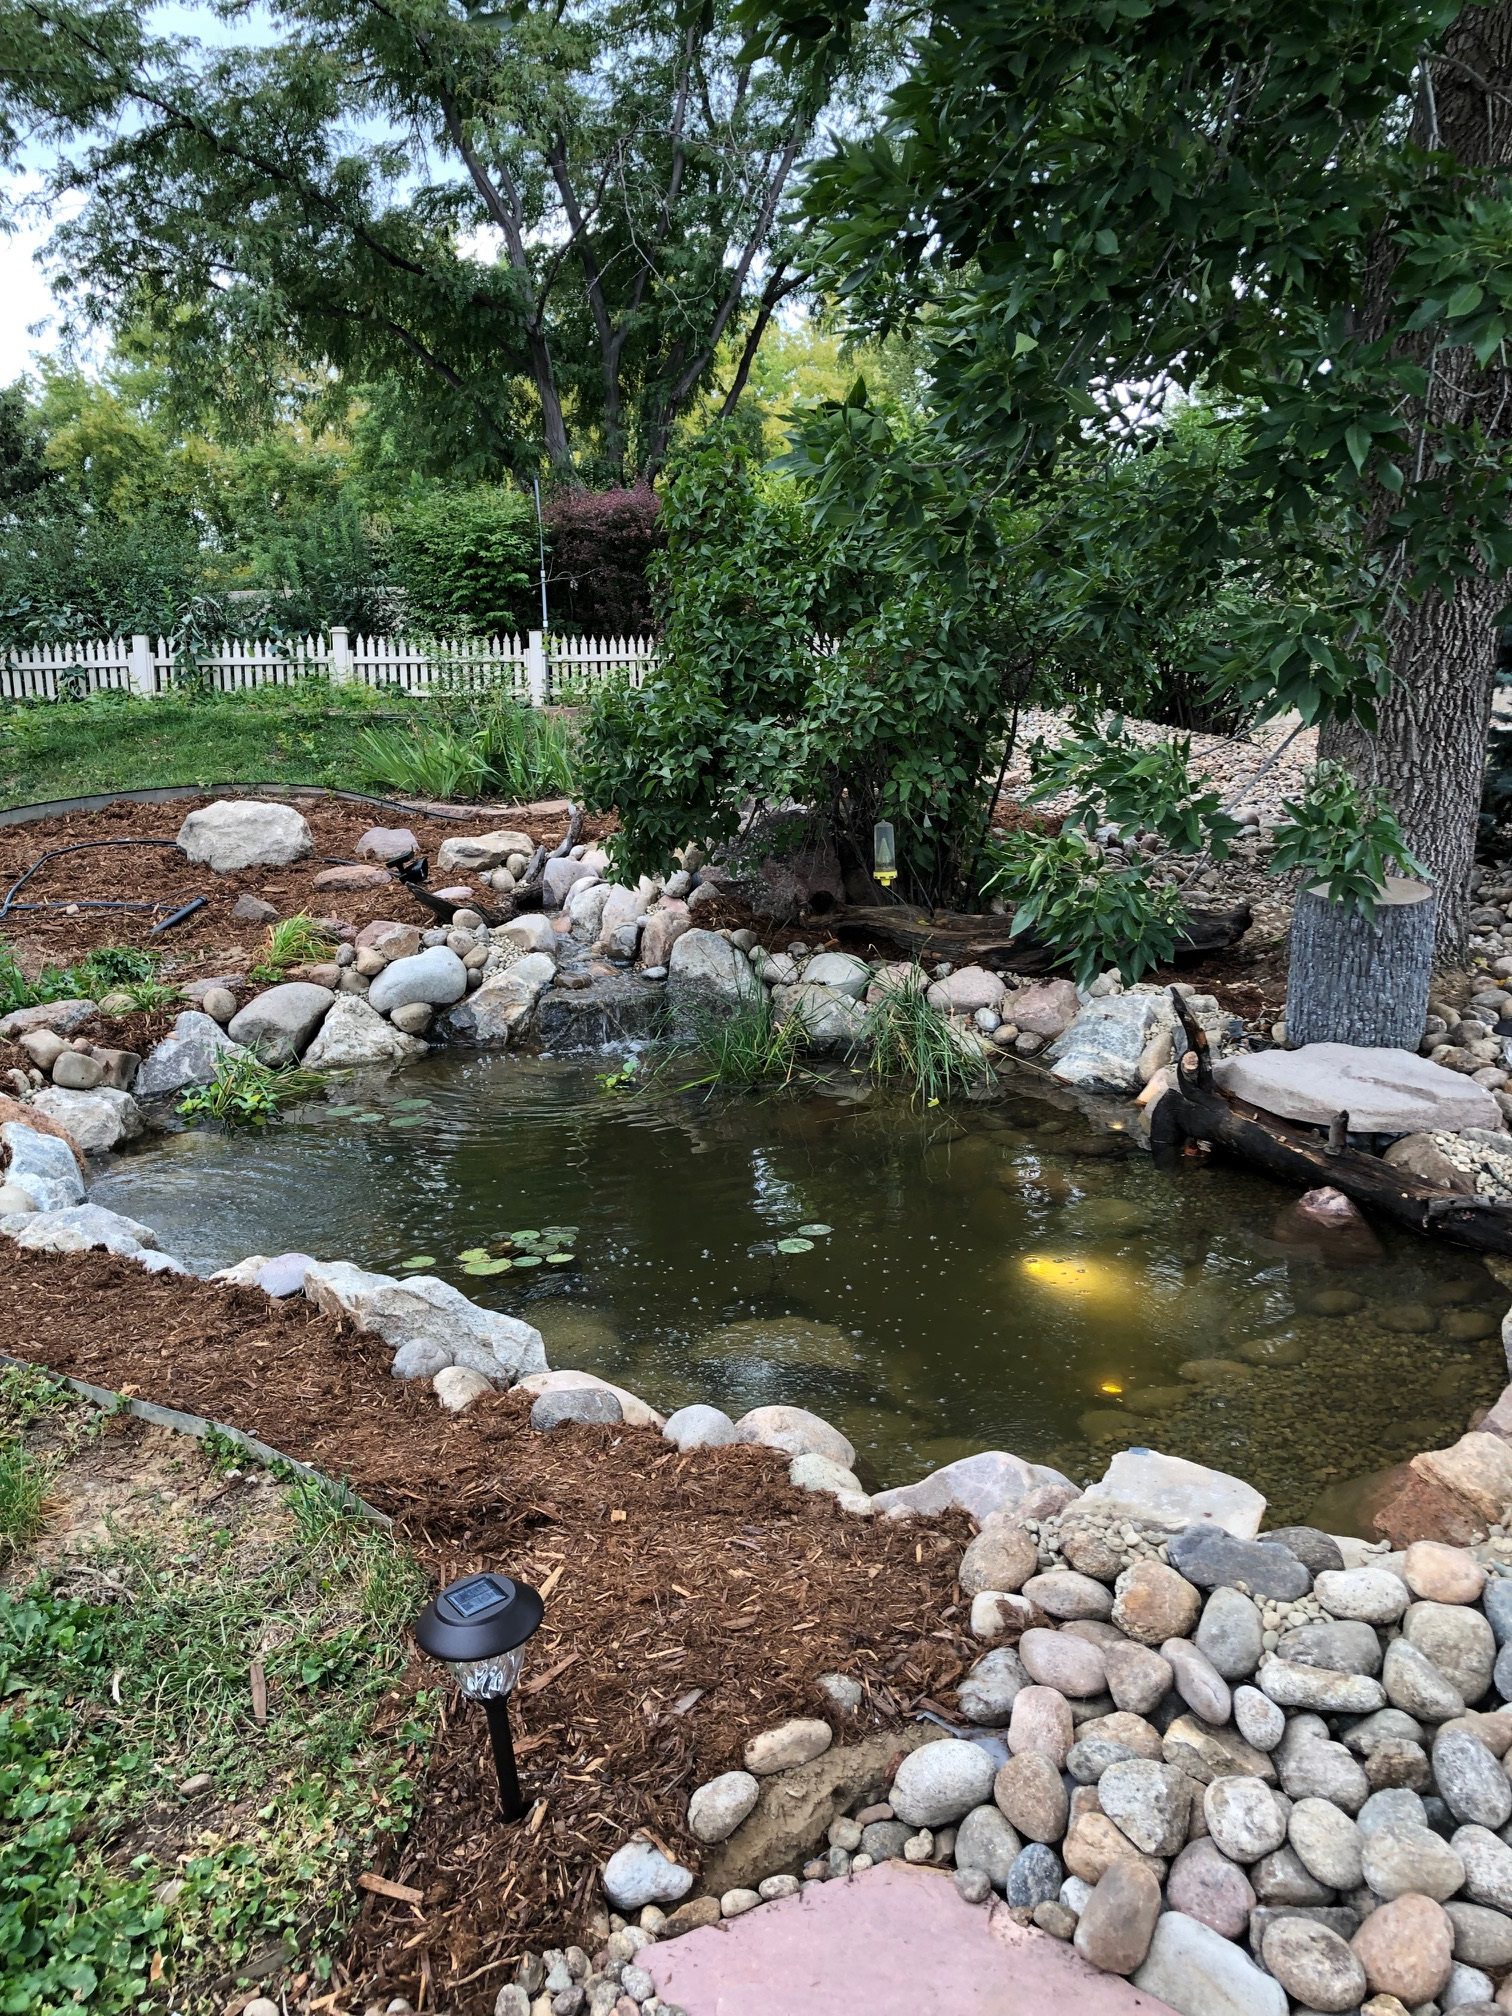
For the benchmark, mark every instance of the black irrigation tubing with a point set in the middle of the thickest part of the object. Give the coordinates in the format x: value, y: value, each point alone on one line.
x: 8, y: 901
x: 177, y: 794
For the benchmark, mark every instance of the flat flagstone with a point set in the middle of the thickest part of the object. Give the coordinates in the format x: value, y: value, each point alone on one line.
x: 892, y: 1941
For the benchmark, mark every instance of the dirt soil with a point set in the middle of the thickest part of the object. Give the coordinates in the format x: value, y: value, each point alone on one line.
x: 213, y: 941
x: 691, y: 1599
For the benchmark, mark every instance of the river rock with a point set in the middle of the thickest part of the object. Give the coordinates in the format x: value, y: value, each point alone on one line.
x: 81, y: 1228
x: 1458, y: 1640
x: 841, y: 971
x: 635, y: 1412
x: 790, y: 1744
x: 1149, y: 1803
x: 1313, y: 1964
x: 1205, y: 1752
x: 639, y: 1874
x: 392, y: 939
x: 1035, y: 1877
x: 65, y: 1018
x: 1004, y: 1556
x: 1244, y: 1818
x: 1488, y: 1866
x: 1399, y: 1859
x: 236, y: 833
x: 354, y: 1037
x: 1327, y: 1843
x: 1259, y: 1721
x: 1030, y: 1794
x: 1046, y: 1008
x: 664, y: 927
x: 1041, y: 1720
x: 941, y: 1782
x: 186, y: 1057
x: 986, y: 1841
x: 1101, y: 1051
x: 97, y: 1122
x: 502, y: 1007
x: 1068, y: 1664
x: 700, y: 1427
x: 1415, y: 1684
x: 1383, y: 1091
x: 1406, y: 1949
x: 458, y: 1386
x: 1213, y: 1558
x: 1366, y: 1595
x: 1117, y: 1922
x: 991, y: 1481
x: 832, y: 1023
x: 963, y: 992
x: 1482, y: 1936
x: 1291, y: 1685
x: 470, y: 854
x: 1472, y: 1784
x: 1064, y: 1593
x: 988, y: 1692
x: 1207, y: 1886
x: 1440, y: 1574
x: 422, y: 1306
x: 1152, y: 1603
x: 1318, y: 1769
x: 1230, y: 1634
x: 43, y: 1166
x: 1171, y: 1490
x: 1197, y: 1972
x: 718, y: 1807
x: 1199, y: 1684
x: 1138, y: 1678
x: 1337, y: 1648
x: 279, y: 1023
x: 435, y: 977
x: 707, y: 975
x: 591, y: 1405
x: 796, y: 1432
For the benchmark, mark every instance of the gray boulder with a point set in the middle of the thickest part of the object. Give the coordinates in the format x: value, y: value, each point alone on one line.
x: 502, y: 1007
x: 426, y: 1308
x: 707, y: 975
x: 98, y: 1121
x: 639, y: 1874
x: 236, y: 833
x: 1100, y: 1052
x: 832, y: 1021
x: 700, y: 1427
x: 841, y: 971
x: 354, y: 1036
x: 279, y: 1023
x: 80, y: 1229
x: 593, y: 1404
x: 1383, y: 1091
x: 469, y: 854
x: 66, y: 1018
x: 188, y: 1057
x: 43, y: 1166
x: 435, y: 976
x: 559, y: 876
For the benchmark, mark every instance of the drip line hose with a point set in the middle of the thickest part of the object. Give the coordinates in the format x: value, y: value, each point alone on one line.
x: 8, y: 901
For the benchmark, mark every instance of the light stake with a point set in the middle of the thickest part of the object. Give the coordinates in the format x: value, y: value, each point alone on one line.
x: 480, y: 1626
x: 884, y: 854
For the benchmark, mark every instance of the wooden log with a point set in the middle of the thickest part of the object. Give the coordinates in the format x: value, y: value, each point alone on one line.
x: 1195, y: 1110
x: 968, y: 938
x: 1354, y: 981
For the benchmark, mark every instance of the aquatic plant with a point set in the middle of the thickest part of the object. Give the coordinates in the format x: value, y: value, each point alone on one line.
x: 906, y: 1039
x: 245, y: 1092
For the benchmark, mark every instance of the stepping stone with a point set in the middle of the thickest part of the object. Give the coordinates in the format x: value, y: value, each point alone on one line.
x: 889, y: 1942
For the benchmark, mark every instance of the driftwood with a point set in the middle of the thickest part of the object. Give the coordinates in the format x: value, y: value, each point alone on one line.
x: 979, y: 940
x: 527, y: 893
x: 1196, y: 1110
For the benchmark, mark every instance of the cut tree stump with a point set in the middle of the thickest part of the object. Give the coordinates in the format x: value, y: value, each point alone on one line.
x: 1356, y: 981
x: 977, y: 939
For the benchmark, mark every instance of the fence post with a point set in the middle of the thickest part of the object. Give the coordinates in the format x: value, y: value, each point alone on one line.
x: 535, y: 668
x: 139, y: 666
x: 339, y: 664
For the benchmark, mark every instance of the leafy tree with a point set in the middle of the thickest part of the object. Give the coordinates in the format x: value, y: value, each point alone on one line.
x: 23, y: 471
x: 465, y: 560
x: 544, y: 219
x: 1304, y: 212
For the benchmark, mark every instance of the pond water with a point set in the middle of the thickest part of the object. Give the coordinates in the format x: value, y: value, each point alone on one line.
x: 1011, y: 1274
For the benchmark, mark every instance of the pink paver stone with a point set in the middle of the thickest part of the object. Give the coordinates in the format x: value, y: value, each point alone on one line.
x: 894, y: 1941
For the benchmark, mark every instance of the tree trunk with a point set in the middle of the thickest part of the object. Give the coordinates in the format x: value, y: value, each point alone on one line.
x: 1428, y: 752
x: 1352, y: 981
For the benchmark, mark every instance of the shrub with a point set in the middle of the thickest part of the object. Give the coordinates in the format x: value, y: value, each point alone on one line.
x: 1094, y: 915
x: 601, y: 546
x: 465, y: 560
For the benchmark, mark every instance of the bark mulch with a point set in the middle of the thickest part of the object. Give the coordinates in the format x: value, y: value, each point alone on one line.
x: 691, y: 1599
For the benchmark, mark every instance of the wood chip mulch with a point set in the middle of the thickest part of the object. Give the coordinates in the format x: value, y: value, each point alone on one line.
x: 691, y: 1600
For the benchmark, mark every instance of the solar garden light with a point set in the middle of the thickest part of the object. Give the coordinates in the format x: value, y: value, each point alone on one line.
x: 479, y: 1626
x: 884, y: 853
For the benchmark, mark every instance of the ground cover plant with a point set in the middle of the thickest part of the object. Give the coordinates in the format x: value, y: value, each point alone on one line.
x: 110, y: 969
x: 203, y: 1735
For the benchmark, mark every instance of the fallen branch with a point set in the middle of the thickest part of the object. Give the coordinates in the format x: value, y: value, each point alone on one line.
x: 980, y: 940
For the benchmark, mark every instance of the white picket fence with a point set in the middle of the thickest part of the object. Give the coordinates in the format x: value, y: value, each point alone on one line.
x: 540, y: 670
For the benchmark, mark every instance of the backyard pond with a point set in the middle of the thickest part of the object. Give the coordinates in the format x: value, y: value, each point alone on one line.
x: 1008, y: 1274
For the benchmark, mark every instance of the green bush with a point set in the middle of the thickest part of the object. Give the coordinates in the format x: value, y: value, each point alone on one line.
x: 465, y: 561
x: 1094, y: 915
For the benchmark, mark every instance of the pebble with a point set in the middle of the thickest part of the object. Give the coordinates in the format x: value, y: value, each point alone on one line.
x: 1149, y: 1803
x: 1328, y: 1844
x: 1031, y: 1795
x: 1199, y: 1684
x: 987, y: 1842
x: 941, y: 1782
x: 1152, y: 1603
x: 1229, y: 1634
x: 1035, y: 1877
x: 1118, y: 1920
x: 1244, y: 1818
x: 1205, y: 1884
x: 1406, y: 1949
x: 717, y: 1808
x: 790, y: 1744
x: 972, y: 1885
x: 1313, y: 1964
x: 1259, y: 1721
x: 1365, y: 1595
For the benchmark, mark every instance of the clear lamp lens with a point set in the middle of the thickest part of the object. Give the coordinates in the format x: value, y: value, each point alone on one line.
x: 488, y: 1679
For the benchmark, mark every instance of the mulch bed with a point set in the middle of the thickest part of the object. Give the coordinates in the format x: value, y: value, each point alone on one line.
x: 213, y: 941
x: 692, y: 1600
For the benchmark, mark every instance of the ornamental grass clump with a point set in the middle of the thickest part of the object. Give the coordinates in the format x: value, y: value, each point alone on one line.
x: 245, y: 1092
x: 906, y: 1039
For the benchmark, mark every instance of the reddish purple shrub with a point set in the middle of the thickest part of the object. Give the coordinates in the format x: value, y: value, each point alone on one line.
x: 598, y: 547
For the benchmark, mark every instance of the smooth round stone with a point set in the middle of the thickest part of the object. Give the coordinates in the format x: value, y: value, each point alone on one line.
x: 1259, y: 1721
x: 1394, y: 1806
x: 1282, y: 1878
x: 1397, y: 1762
x: 985, y: 1841
x: 1041, y: 1720
x: 1482, y: 1936
x: 1364, y: 1595
x: 1316, y: 1550
x: 1118, y: 1920
x: 1415, y: 1684
x: 1386, y: 1725
x: 1152, y: 1603
x: 1035, y: 1877
x: 1088, y: 1759
x: 1496, y: 1601
x: 1337, y: 1648
x: 1207, y: 1886
x: 1406, y: 1949
x: 1031, y: 1795
x: 1327, y: 1843
x: 1399, y: 1861
x: 1244, y: 1818
x: 1458, y: 1640
x: 1212, y: 1558
x: 792, y: 1743
x: 717, y: 1808
x: 1065, y: 1594
x: 1468, y: 1990
x: 1313, y: 1964
x: 941, y: 1782
x: 1318, y: 1770
x: 1198, y: 1682
x: 1138, y: 1678
x: 1470, y: 1781
x: 1002, y: 1556
x: 988, y: 1692
x: 1070, y: 1665
x: 973, y: 1886
x: 1488, y: 1866
x: 1442, y: 1574
x: 1138, y: 1735
x: 1149, y: 1803
x: 1291, y: 1685
x: 1230, y: 1634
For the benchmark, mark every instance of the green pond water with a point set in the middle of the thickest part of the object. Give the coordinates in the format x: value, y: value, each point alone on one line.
x: 1010, y: 1274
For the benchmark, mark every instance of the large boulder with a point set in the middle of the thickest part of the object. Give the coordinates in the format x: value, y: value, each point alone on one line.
x: 530, y: 931
x: 427, y: 1310
x: 42, y: 1165
x: 353, y: 1036
x: 665, y: 925
x: 707, y: 975
x: 279, y: 1023
x: 559, y: 875
x: 1048, y: 1008
x: 236, y: 833
x: 1382, y: 1091
x: 584, y: 908
x: 991, y: 1481
x: 1171, y: 1490
x: 1102, y: 1049
x: 634, y: 1412
x: 80, y: 1229
x: 502, y: 1007
x: 66, y: 1017
x: 188, y: 1057
x: 470, y: 854
x: 832, y: 1021
x: 98, y: 1121
x: 966, y: 990
x: 435, y: 977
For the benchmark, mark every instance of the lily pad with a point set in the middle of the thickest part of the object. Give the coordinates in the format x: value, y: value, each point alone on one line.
x: 407, y: 1120
x: 527, y: 1260
x: 816, y: 1231
x: 795, y: 1245
x: 345, y: 1112
x: 560, y: 1259
x: 474, y: 1253
x: 412, y: 1105
x: 365, y: 1119
x: 488, y: 1266
x: 418, y: 1260
x: 557, y: 1233
x: 526, y: 1238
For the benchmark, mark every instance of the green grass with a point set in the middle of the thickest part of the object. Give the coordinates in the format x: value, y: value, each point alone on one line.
x: 105, y: 971
x: 749, y: 1050
x: 356, y: 737
x: 909, y: 1042
x: 24, y: 1479
x: 245, y: 1092
x: 129, y: 1674
x: 293, y: 941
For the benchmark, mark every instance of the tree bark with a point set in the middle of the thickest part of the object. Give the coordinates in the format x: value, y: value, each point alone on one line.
x: 1352, y: 981
x: 1428, y: 751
